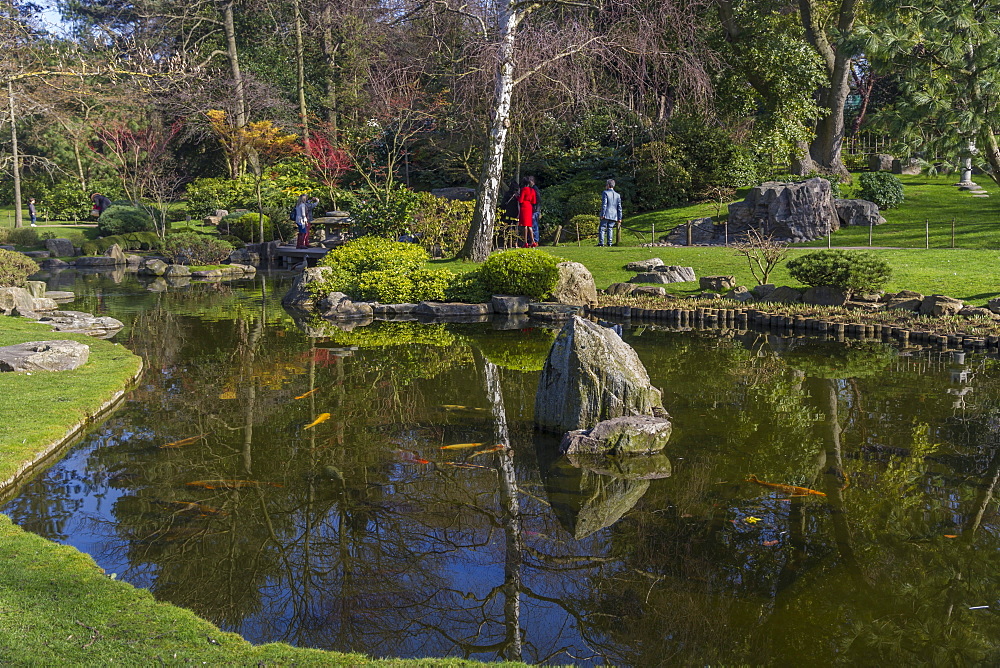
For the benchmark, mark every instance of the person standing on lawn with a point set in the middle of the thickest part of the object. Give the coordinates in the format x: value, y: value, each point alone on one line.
x: 527, y: 201
x: 611, y: 214
x: 537, y: 210
x: 31, y: 211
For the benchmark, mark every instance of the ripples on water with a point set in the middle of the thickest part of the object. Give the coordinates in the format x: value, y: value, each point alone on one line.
x: 361, y: 533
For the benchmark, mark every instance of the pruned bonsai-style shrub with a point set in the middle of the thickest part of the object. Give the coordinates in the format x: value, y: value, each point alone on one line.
x: 119, y: 219
x: 520, y: 271
x: 853, y: 271
x: 883, y: 188
x: 192, y: 248
x: 15, y: 269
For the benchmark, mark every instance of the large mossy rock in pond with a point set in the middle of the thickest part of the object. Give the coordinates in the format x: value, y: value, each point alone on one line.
x: 300, y: 295
x: 791, y: 211
x: 591, y: 375
x: 338, y: 306
x: 575, y: 286
x: 630, y: 435
x: 33, y: 356
x: 588, y: 493
x: 153, y: 267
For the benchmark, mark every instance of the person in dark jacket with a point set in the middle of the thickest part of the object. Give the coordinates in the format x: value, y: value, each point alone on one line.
x: 611, y: 214
x: 31, y: 211
x: 101, y: 203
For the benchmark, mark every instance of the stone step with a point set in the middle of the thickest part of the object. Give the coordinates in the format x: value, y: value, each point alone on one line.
x: 980, y: 195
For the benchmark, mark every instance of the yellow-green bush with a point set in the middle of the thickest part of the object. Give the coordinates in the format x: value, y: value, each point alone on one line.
x: 15, y: 269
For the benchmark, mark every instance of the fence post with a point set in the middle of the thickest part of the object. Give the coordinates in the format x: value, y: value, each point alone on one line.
x: 871, y: 226
x: 652, y: 234
x: 559, y: 229
x: 690, y: 233
x: 829, y: 235
x: 726, y: 223
x: 927, y: 233
x: 952, y: 232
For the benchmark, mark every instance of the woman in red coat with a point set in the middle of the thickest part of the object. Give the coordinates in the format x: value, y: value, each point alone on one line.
x: 527, y: 200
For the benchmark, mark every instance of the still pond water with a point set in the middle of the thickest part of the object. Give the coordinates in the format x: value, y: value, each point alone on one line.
x: 218, y: 486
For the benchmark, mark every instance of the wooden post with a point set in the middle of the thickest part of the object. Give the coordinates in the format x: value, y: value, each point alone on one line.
x: 618, y: 233
x: 578, y: 233
x: 871, y: 226
x: 690, y: 233
x: 652, y: 234
x: 952, y: 232
x: 829, y: 239
x: 555, y: 242
x: 927, y: 233
x: 726, y: 223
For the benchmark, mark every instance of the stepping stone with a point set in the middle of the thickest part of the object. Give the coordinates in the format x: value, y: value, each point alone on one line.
x: 980, y: 195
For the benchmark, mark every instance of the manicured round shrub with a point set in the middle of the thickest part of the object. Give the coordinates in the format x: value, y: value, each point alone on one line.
x: 192, y: 248
x: 583, y: 204
x: 883, y: 188
x: 520, y: 271
x: 375, y: 254
x: 119, y: 219
x: 67, y: 201
x: 15, y: 269
x: 584, y: 224
x: 854, y: 271
x: 467, y: 288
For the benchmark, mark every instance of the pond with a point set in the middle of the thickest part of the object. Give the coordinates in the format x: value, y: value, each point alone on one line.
x: 295, y: 488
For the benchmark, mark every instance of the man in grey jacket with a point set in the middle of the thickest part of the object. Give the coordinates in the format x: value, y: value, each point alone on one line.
x: 611, y: 214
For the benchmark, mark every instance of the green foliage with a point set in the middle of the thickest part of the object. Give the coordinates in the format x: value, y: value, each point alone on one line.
x: 855, y: 271
x: 192, y: 248
x: 468, y: 288
x: 206, y: 195
x: 520, y: 271
x: 129, y: 241
x: 585, y: 225
x: 661, y: 180
x: 246, y: 227
x: 67, y: 201
x: 441, y: 223
x: 119, y: 219
x: 389, y: 272
x: 583, y: 204
x: 386, y: 214
x: 15, y: 269
x: 19, y: 236
x: 883, y: 188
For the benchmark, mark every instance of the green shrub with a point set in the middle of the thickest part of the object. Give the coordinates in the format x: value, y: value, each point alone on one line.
x: 855, y: 271
x: 127, y: 242
x: 206, y: 195
x: 89, y: 248
x: 246, y: 226
x: 192, y: 248
x: 388, y: 215
x: 883, y: 188
x: 389, y: 272
x: 119, y: 219
x: 520, y: 271
x: 15, y: 269
x: 587, y: 226
x: 19, y: 236
x: 441, y: 223
x: 583, y: 204
x: 467, y: 288
x: 67, y: 201
x: 661, y: 180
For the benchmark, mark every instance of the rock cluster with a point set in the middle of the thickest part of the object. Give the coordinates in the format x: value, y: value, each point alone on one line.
x: 794, y: 211
x: 33, y: 356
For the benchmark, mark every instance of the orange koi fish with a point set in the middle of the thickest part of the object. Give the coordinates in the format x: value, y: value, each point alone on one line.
x: 462, y: 465
x: 303, y: 396
x: 230, y: 484
x: 411, y: 457
x: 487, y: 451
x: 787, y: 489
x: 456, y: 407
x: 323, y: 417
x: 461, y: 446
x: 184, y: 441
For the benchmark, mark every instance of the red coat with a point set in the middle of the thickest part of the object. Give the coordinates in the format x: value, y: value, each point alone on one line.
x: 527, y: 200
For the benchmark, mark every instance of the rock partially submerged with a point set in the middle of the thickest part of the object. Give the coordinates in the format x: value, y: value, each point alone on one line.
x: 575, y: 286
x: 77, y: 322
x: 630, y: 435
x: 591, y: 375
x: 33, y: 356
x: 300, y: 295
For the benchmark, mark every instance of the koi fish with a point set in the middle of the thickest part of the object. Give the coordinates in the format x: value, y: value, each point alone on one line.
x: 411, y: 457
x: 323, y: 417
x: 461, y: 446
x: 787, y: 489
x: 487, y: 451
x: 455, y: 407
x: 230, y: 484
x: 303, y: 396
x: 463, y: 465
x: 184, y: 441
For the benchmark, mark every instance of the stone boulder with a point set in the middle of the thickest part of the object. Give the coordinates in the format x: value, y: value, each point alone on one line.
x: 591, y: 375
x: 910, y: 166
x: 976, y: 312
x: 116, y: 252
x: 644, y: 265
x: 338, y: 306
x: 739, y: 294
x: 244, y: 257
x: 39, y: 304
x: 649, y: 291
x: 510, y: 304
x: 859, y: 212
x: 60, y: 247
x: 451, y: 309
x: 300, y: 294
x: 393, y: 310
x: 133, y: 262
x: 77, y: 322
x: 762, y: 290
x: 880, y: 162
x: 994, y: 304
x: 53, y: 263
x: 629, y: 435
x: 553, y: 312
x: 619, y: 289
x: 791, y: 211
x: 575, y: 285
x: 783, y: 295
x: 666, y: 274
x: 717, y: 283
x: 15, y: 300
x: 459, y: 193
x: 825, y: 295
x: 644, y: 467
x: 95, y: 261
x: 44, y: 356
x: 940, y: 305
x: 38, y: 255
x: 176, y: 270
x: 60, y: 295
x: 36, y: 288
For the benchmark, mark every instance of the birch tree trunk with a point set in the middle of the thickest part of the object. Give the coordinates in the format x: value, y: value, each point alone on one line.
x: 18, y: 214
x: 479, y: 243
x: 301, y: 78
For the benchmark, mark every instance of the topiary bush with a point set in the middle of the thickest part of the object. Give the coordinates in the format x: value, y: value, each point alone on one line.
x: 586, y: 225
x: 15, y: 269
x: 520, y: 271
x: 119, y: 219
x: 883, y: 188
x: 193, y: 248
x: 386, y: 214
x: 389, y: 272
x: 854, y: 271
x: 467, y: 288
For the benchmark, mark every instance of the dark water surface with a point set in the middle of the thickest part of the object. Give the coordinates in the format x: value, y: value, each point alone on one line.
x: 360, y: 533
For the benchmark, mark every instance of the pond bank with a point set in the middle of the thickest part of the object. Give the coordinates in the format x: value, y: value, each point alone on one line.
x: 59, y: 607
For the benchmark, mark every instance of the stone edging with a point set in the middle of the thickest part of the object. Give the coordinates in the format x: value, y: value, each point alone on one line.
x: 722, y: 318
x: 47, y: 451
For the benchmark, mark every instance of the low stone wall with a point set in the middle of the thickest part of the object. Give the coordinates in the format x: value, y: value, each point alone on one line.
x: 755, y: 319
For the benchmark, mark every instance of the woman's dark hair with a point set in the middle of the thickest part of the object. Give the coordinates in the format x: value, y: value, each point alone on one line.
x: 525, y: 182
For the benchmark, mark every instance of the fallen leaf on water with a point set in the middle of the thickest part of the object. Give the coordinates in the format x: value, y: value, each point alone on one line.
x: 751, y: 520
x: 303, y: 396
x: 323, y: 417
x: 461, y: 446
x: 184, y: 441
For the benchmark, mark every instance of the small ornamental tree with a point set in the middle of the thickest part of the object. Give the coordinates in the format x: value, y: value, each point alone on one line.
x: 852, y: 271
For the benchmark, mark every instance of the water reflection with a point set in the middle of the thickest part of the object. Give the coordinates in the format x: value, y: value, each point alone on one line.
x: 362, y: 533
